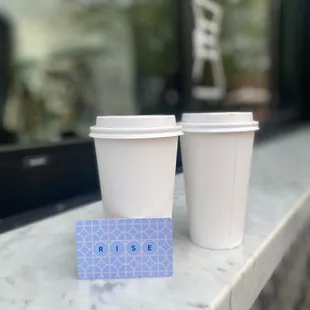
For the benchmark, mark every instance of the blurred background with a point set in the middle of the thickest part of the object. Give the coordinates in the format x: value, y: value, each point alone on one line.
x: 63, y: 62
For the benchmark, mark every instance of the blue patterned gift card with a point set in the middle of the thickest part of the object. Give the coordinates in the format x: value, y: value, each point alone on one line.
x: 124, y: 248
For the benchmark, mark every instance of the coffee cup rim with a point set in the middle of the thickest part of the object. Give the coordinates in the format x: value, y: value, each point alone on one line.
x: 219, y: 122
x: 135, y: 133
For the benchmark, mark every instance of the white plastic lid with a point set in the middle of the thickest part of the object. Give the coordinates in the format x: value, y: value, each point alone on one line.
x: 219, y: 122
x: 135, y: 127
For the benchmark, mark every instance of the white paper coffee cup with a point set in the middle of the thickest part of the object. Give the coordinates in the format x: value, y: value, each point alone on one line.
x: 216, y: 152
x: 136, y: 158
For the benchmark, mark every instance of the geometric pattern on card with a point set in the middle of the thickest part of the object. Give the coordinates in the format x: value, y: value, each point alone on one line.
x: 124, y: 248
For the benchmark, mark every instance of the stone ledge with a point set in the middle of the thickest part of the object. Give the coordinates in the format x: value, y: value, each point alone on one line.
x: 38, y: 265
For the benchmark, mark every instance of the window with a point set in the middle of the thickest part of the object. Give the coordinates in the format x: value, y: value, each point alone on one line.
x: 231, y: 57
x: 247, y: 56
x: 71, y: 60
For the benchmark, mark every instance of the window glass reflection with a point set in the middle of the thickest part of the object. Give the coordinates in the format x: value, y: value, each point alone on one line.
x: 63, y: 62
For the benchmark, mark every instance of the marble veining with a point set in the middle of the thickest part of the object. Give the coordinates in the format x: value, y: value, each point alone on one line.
x: 38, y: 264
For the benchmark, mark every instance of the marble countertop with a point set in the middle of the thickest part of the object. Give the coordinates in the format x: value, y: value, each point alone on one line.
x: 38, y: 265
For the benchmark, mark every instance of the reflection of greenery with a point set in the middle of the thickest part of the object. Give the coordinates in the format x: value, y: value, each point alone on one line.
x: 24, y: 108
x: 152, y: 23
x: 155, y: 24
x: 95, y: 16
x: 244, y: 38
